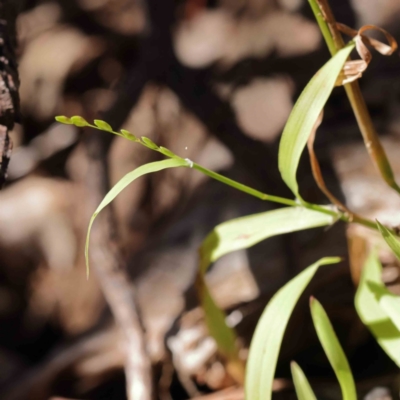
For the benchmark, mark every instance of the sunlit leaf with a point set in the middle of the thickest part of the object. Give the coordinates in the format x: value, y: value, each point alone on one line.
x: 304, y: 115
x: 333, y: 350
x: 268, y: 336
x: 389, y: 302
x: 371, y: 313
x: 390, y: 239
x: 301, y: 384
x: 104, y: 126
x: 123, y: 183
x: 244, y: 232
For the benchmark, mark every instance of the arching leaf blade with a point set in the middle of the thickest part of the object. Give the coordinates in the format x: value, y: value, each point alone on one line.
x: 123, y: 183
x: 333, y: 350
x: 304, y: 115
x: 301, y: 384
x: 268, y: 336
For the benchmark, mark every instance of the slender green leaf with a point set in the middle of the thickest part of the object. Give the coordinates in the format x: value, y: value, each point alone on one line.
x: 224, y: 335
x: 333, y: 350
x: 268, y: 336
x: 240, y: 233
x: 123, y: 183
x: 374, y: 317
x: 244, y: 232
x: 301, y: 384
x: 215, y: 320
x: 391, y: 304
x: 304, y: 116
x: 390, y: 239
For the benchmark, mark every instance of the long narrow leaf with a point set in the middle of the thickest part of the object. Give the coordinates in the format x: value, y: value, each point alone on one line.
x: 333, y: 350
x: 374, y: 317
x: 268, y: 336
x: 301, y: 384
x: 244, y: 232
x: 123, y: 183
x: 304, y: 116
x: 215, y: 319
x: 390, y: 239
x: 224, y: 335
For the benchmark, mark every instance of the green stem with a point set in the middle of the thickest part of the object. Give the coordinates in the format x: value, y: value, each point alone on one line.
x: 244, y: 188
x: 281, y: 200
x: 333, y: 38
x: 323, y: 26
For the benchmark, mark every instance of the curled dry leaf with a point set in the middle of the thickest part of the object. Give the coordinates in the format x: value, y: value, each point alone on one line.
x: 316, y: 169
x: 354, y: 69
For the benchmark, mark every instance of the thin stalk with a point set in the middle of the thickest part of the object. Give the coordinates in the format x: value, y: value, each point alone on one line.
x: 323, y: 26
x: 244, y: 188
x: 281, y: 200
x: 334, y: 41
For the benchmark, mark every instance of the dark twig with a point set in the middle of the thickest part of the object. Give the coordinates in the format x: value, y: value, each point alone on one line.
x: 9, y: 82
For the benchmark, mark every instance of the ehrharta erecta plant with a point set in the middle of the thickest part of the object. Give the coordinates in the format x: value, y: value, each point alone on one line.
x: 373, y: 301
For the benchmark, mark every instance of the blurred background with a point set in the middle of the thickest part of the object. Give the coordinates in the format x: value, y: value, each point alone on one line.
x: 214, y: 81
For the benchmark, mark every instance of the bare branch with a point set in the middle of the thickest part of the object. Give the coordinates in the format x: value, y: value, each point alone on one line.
x: 110, y: 270
x: 9, y: 82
